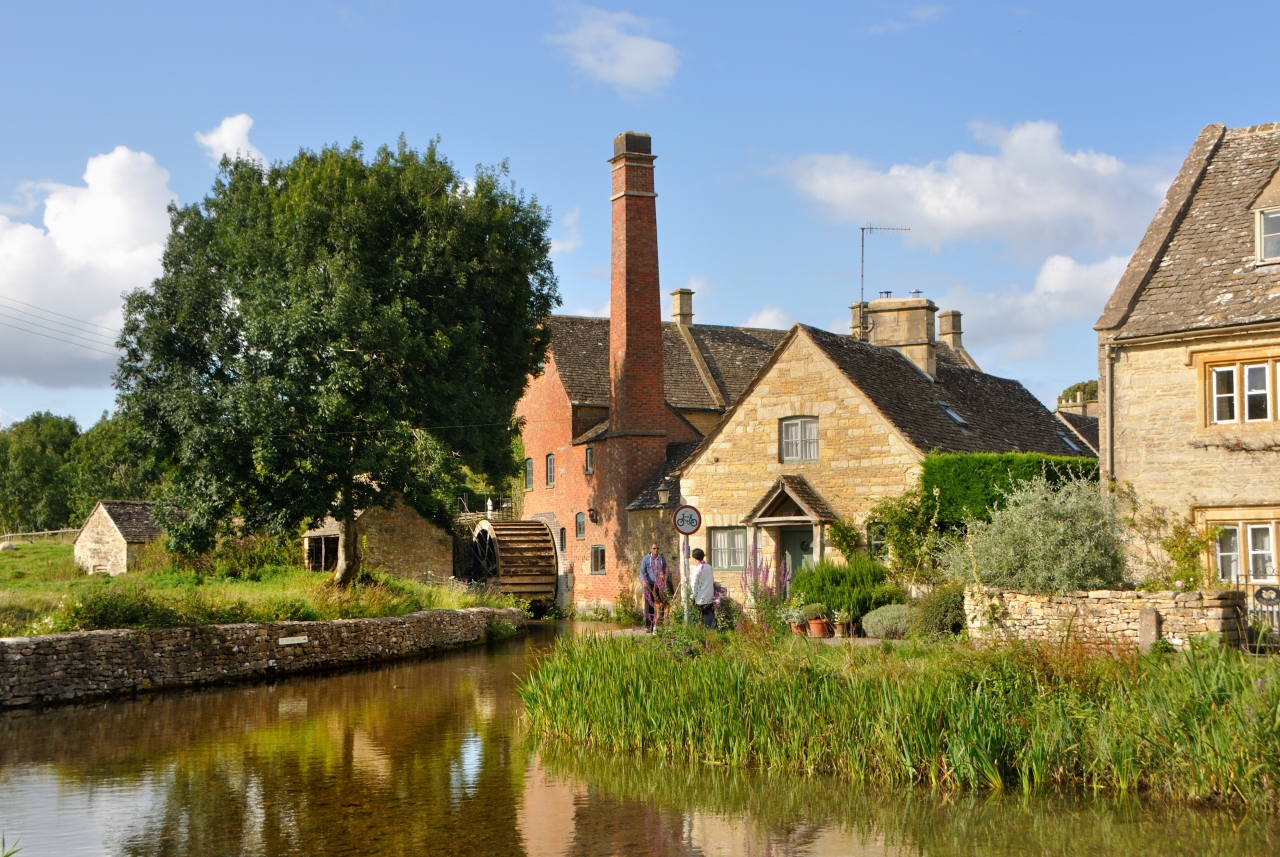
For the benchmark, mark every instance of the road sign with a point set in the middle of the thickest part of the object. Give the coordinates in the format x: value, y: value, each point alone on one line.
x: 688, y: 520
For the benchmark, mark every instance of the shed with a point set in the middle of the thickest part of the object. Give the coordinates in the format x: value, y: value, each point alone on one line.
x: 115, y: 531
x: 397, y: 541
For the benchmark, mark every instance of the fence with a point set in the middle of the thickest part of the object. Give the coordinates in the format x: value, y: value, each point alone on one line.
x: 1264, y: 627
x: 42, y: 536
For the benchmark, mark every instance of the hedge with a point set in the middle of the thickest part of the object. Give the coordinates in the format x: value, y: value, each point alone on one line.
x: 971, y: 484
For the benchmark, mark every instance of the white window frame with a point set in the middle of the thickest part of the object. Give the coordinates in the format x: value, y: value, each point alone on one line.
x: 1232, y: 397
x: 728, y: 547
x: 1262, y: 235
x: 1270, y: 552
x: 551, y: 470
x: 580, y: 525
x: 803, y: 446
x: 1219, y: 553
x: 528, y: 474
x: 589, y: 460
x: 1245, y: 391
x: 598, y: 553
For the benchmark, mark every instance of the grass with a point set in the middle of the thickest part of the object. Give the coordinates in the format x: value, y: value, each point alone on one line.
x: 1203, y: 726
x: 42, y: 591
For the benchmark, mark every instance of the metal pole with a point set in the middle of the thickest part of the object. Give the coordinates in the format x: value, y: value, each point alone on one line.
x: 684, y: 574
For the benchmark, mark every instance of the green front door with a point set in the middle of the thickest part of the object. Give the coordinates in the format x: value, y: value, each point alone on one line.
x: 797, y: 545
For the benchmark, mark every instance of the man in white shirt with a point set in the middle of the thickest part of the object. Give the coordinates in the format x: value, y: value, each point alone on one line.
x: 704, y: 587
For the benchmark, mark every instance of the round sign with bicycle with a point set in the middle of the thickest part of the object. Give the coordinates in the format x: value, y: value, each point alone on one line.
x: 687, y: 519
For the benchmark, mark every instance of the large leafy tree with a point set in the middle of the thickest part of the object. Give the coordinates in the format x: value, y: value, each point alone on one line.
x: 108, y: 462
x: 332, y: 332
x: 34, y: 481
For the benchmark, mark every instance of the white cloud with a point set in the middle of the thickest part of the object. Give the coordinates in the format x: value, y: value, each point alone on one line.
x: 1020, y: 324
x: 572, y: 240
x: 613, y: 48
x: 1031, y: 194
x: 769, y: 317
x: 914, y: 17
x: 598, y: 312
x: 65, y: 280
x: 231, y: 138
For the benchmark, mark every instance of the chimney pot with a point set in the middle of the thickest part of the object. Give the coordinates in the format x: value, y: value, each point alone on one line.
x: 886, y: 295
x: 915, y: 293
x: 682, y: 307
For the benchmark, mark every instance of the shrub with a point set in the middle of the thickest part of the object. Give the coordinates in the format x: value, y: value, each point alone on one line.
x: 940, y: 612
x: 971, y: 485
x: 908, y: 529
x: 890, y: 622
x: 1172, y: 547
x: 857, y: 586
x: 1046, y: 539
x: 815, y: 611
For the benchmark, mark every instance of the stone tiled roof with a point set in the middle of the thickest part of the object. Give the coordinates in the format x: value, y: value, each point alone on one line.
x: 1196, y: 267
x: 802, y: 492
x: 134, y: 520
x: 1000, y: 415
x: 677, y: 455
x: 580, y: 346
x: 1086, y: 428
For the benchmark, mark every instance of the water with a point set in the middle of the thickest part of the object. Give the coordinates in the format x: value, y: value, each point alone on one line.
x: 425, y: 758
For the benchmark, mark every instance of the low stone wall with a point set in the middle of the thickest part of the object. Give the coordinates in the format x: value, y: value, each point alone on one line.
x: 1138, y: 618
x: 66, y: 667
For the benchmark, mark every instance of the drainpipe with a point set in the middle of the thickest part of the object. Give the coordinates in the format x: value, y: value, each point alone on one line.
x: 1110, y: 353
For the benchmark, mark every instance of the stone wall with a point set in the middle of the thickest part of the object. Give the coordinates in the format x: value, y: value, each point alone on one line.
x: 58, y: 668
x: 1137, y: 618
x: 100, y: 547
x: 403, y: 543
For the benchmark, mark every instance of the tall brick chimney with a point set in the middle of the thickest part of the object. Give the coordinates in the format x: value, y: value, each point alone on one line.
x: 637, y: 401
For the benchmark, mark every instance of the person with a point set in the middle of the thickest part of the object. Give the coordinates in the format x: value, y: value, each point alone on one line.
x: 704, y: 587
x: 655, y: 580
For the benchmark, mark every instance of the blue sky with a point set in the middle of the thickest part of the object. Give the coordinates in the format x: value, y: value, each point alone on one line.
x: 1026, y: 146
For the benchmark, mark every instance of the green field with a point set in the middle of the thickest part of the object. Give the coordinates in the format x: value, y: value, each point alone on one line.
x: 42, y: 591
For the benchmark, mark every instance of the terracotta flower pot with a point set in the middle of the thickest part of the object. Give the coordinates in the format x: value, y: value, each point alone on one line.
x: 842, y: 629
x: 797, y: 628
x: 817, y: 627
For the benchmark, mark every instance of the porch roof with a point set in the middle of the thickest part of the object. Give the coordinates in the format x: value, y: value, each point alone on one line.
x: 814, y: 509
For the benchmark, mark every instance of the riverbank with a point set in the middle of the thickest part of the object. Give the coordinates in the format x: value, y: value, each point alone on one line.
x: 1203, y: 726
x: 70, y: 667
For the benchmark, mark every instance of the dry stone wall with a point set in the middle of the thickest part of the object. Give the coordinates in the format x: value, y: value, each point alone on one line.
x: 1138, y: 618
x: 56, y: 668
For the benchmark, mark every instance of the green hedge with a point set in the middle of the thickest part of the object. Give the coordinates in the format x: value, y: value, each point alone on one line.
x: 971, y: 484
x: 859, y: 585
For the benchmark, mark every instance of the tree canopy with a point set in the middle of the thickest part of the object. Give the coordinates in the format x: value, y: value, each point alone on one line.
x: 1089, y: 388
x: 332, y: 332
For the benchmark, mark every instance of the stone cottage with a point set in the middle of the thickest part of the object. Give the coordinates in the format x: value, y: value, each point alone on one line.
x: 397, y: 541
x: 1188, y: 347
x: 113, y: 534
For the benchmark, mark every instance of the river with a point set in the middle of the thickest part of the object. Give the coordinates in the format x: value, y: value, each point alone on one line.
x: 425, y: 757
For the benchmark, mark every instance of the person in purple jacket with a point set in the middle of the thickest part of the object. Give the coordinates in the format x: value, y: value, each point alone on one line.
x: 655, y: 578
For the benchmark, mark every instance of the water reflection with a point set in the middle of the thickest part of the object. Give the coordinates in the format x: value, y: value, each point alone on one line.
x: 425, y: 758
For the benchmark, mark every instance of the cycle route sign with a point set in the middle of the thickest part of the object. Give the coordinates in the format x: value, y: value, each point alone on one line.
x: 687, y: 519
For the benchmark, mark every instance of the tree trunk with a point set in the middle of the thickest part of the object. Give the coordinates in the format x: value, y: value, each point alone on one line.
x: 348, y: 560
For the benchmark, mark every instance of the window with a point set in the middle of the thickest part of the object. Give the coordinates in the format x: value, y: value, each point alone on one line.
x: 528, y: 474
x: 1068, y: 442
x: 955, y: 418
x: 1257, y: 392
x: 875, y: 540
x: 1224, y: 395
x: 597, y: 559
x: 799, y: 440
x: 1229, y: 554
x: 551, y: 471
x: 1261, y: 561
x: 563, y: 539
x: 590, y: 466
x: 580, y: 525
x: 728, y: 547
x: 1269, y: 237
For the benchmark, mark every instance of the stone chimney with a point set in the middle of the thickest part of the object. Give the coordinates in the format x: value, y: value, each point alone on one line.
x: 637, y: 400
x: 949, y: 332
x: 905, y: 324
x: 682, y: 307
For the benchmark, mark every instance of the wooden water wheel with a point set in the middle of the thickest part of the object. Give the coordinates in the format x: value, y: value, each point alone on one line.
x: 520, y: 555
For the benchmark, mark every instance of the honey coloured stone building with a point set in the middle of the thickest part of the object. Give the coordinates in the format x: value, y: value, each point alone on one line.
x: 397, y: 541
x: 113, y: 534
x: 1188, y: 348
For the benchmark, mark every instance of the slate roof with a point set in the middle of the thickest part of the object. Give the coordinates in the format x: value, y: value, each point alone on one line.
x: 803, y: 493
x: 1000, y: 415
x: 1196, y: 267
x: 677, y: 455
x: 1086, y: 428
x: 134, y: 520
x: 580, y: 346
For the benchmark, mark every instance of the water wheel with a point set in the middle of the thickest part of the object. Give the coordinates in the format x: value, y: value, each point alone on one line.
x: 520, y: 555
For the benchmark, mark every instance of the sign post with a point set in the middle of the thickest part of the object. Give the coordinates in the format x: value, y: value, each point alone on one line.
x: 687, y: 520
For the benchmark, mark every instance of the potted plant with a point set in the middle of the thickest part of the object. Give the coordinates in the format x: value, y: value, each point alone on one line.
x: 794, y: 615
x: 816, y: 615
x: 842, y: 618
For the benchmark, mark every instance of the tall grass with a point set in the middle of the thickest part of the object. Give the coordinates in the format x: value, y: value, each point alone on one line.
x: 1204, y: 726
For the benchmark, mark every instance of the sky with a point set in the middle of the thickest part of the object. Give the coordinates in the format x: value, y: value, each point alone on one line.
x: 1024, y: 146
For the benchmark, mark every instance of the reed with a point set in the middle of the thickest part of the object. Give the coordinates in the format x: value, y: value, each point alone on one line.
x: 1205, y: 725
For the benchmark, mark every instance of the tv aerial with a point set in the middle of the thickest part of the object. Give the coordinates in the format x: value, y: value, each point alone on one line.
x: 862, y: 272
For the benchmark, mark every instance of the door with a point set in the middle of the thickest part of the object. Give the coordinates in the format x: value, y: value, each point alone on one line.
x: 797, y: 545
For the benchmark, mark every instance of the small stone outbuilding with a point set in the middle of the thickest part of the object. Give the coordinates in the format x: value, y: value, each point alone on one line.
x: 397, y: 541
x: 114, y: 533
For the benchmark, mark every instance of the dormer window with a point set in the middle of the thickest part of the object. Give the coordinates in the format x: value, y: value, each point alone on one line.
x: 1269, y: 236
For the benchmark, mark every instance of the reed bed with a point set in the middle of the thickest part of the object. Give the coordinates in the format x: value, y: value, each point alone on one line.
x: 1204, y: 726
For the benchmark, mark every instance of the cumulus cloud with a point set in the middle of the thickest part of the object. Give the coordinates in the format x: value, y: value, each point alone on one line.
x: 61, y: 285
x: 769, y: 317
x: 572, y: 239
x: 914, y: 17
x: 231, y: 138
x: 615, y: 48
x: 1030, y: 194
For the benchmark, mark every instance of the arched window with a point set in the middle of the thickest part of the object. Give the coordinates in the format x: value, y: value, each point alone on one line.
x: 551, y: 471
x: 580, y: 525
x: 563, y: 542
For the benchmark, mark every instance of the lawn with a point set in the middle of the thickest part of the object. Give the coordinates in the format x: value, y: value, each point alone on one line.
x: 42, y: 591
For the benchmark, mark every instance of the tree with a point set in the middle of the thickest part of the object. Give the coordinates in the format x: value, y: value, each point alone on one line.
x: 330, y: 333
x: 34, y: 486
x: 107, y: 463
x: 1089, y: 388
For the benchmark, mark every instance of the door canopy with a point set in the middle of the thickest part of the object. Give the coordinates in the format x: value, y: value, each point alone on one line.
x: 791, y: 500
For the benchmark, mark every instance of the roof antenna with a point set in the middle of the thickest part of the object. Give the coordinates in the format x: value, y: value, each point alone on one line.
x: 862, y: 273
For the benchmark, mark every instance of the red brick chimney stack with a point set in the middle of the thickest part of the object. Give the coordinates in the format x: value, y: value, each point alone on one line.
x: 637, y: 402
